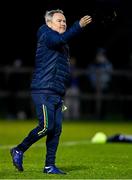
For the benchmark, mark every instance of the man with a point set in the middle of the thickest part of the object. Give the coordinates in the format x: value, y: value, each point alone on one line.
x: 50, y: 79
x: 100, y: 79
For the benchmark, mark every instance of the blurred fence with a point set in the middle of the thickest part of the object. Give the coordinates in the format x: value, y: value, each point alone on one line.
x: 87, y: 103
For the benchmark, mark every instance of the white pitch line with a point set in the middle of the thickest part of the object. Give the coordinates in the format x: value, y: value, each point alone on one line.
x: 67, y: 143
x: 72, y: 143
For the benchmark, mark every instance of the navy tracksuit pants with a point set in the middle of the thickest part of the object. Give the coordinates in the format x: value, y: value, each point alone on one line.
x: 49, y: 113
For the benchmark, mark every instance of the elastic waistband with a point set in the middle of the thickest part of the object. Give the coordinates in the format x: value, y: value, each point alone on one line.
x: 46, y: 91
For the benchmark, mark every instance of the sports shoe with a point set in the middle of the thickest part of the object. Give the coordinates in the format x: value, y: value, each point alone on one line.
x: 17, y: 158
x: 53, y: 170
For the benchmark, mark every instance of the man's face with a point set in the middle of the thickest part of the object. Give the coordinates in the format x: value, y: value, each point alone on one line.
x: 58, y: 23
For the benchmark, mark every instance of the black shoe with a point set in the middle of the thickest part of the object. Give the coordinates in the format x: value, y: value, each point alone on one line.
x: 17, y: 158
x: 53, y: 170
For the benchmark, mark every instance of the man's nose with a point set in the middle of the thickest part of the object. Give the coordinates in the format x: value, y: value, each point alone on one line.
x: 63, y: 23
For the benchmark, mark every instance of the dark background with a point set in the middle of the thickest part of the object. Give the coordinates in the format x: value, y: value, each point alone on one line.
x: 111, y: 28
x: 21, y: 19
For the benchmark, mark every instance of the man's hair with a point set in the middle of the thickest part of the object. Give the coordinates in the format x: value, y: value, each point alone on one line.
x: 49, y: 14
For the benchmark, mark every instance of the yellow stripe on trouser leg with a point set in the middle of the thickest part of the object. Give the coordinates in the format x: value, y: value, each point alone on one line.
x: 45, y: 119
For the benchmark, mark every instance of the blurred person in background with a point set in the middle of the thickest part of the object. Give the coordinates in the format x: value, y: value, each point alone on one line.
x: 72, y: 100
x: 100, y: 71
x: 15, y: 84
x: 128, y: 89
x: 49, y: 82
x: 18, y: 84
x: 100, y: 78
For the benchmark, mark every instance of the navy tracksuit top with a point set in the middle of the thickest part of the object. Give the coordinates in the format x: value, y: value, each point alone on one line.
x: 52, y: 71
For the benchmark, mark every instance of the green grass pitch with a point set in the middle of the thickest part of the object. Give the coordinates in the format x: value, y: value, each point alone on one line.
x: 76, y: 155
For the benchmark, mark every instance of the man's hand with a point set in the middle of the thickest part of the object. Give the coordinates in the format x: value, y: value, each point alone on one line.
x: 84, y: 21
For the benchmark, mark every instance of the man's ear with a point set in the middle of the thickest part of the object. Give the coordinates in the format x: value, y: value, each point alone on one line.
x: 49, y: 24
